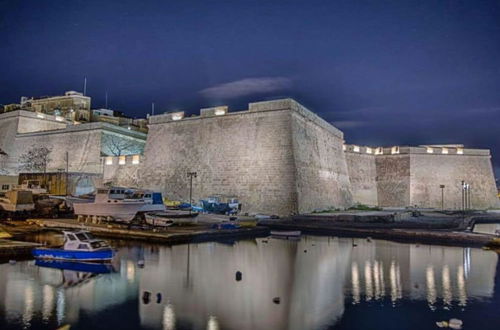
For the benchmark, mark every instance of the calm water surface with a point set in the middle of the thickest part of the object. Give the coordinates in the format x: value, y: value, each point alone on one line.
x: 321, y: 283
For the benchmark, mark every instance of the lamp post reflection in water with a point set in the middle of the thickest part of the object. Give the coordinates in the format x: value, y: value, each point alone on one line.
x: 355, y: 283
x: 168, y: 317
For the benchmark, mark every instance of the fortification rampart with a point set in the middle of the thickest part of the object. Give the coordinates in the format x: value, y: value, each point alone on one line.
x: 425, y: 176
x: 82, y: 144
x: 276, y: 157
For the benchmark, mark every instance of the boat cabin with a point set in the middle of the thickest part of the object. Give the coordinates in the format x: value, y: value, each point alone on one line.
x: 82, y: 241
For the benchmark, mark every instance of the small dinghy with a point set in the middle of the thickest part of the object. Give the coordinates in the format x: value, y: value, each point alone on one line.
x: 286, y: 233
x: 78, y: 246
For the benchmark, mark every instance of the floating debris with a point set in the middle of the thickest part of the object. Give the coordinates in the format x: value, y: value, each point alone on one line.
x: 146, y: 297
x: 455, y: 324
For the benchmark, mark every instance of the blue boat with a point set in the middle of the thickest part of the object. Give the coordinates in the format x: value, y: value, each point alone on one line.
x: 78, y: 246
x: 86, y: 267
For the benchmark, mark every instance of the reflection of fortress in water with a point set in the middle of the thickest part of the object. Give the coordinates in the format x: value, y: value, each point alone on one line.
x: 199, y: 288
x: 310, y: 277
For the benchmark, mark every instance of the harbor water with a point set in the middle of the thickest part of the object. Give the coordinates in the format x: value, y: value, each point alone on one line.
x: 315, y: 282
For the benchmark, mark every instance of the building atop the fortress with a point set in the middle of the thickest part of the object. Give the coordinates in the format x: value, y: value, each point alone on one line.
x: 277, y: 157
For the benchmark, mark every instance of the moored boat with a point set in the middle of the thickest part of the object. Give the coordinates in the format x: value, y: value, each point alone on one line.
x: 78, y: 246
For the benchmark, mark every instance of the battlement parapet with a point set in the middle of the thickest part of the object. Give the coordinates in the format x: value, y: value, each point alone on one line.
x: 423, y: 149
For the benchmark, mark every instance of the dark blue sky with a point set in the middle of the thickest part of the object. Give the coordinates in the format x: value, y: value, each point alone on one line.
x: 385, y: 72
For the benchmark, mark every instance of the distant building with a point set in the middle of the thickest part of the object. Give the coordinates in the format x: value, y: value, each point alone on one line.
x: 72, y: 106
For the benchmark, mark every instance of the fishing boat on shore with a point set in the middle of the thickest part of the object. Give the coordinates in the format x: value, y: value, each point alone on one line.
x: 78, y: 246
x: 17, y: 201
x: 286, y: 233
x: 111, y: 203
x: 168, y: 218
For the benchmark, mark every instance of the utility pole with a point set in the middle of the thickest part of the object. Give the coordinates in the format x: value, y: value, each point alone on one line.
x: 152, y: 109
x: 84, y: 86
x: 67, y: 172
x: 442, y: 196
x: 191, y: 175
x: 463, y: 195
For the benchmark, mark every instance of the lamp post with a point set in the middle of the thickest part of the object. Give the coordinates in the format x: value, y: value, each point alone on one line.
x: 463, y: 195
x: 191, y: 175
x: 442, y: 196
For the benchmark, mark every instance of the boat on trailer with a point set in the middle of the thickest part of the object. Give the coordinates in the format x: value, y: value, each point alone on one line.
x: 78, y: 246
x: 111, y: 203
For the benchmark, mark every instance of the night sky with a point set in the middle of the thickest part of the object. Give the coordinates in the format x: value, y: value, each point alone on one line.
x: 384, y: 72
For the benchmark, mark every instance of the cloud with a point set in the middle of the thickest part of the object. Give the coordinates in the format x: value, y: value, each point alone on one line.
x: 349, y: 123
x: 247, y: 86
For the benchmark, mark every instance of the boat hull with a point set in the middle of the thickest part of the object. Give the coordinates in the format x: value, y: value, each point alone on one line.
x: 283, y: 233
x: 96, y: 268
x: 59, y: 254
x: 119, y: 211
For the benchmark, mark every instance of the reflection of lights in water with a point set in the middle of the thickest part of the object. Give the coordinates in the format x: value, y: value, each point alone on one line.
x: 60, y: 305
x: 355, y: 282
x: 462, y: 293
x: 381, y: 276
x: 28, y: 306
x: 168, y: 317
x: 431, y: 286
x: 376, y: 278
x: 48, y: 301
x: 394, y: 282
x: 130, y: 271
x: 368, y: 281
x: 466, y: 262
x: 447, y: 295
x: 212, y: 324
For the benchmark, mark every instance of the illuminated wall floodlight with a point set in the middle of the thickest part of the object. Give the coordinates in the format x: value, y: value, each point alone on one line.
x: 369, y: 150
x: 355, y: 148
x: 135, y: 159
x: 394, y: 150
x: 379, y: 151
x: 220, y: 112
x: 109, y: 160
x: 121, y: 160
x: 177, y: 116
x: 460, y: 151
x: 430, y: 150
x: 444, y: 150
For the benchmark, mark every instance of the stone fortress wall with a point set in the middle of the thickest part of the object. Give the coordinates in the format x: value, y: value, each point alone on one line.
x: 276, y: 157
x: 409, y: 176
x: 22, y: 130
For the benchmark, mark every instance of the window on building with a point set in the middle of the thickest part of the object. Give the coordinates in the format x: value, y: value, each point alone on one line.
x: 460, y: 151
x: 430, y: 150
x: 444, y: 150
x: 135, y: 159
x: 121, y: 160
x: 5, y: 187
x: 109, y: 160
x: 355, y: 148
x: 394, y: 150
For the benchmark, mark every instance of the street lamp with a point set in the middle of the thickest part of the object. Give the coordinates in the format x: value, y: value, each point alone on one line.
x: 191, y: 175
x: 442, y: 196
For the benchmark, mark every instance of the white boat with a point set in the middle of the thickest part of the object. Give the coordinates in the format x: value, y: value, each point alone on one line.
x: 17, y: 201
x: 158, y: 221
x: 286, y: 233
x: 109, y: 202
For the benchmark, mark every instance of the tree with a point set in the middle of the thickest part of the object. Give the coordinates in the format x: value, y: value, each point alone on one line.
x: 117, y: 146
x: 35, y: 159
